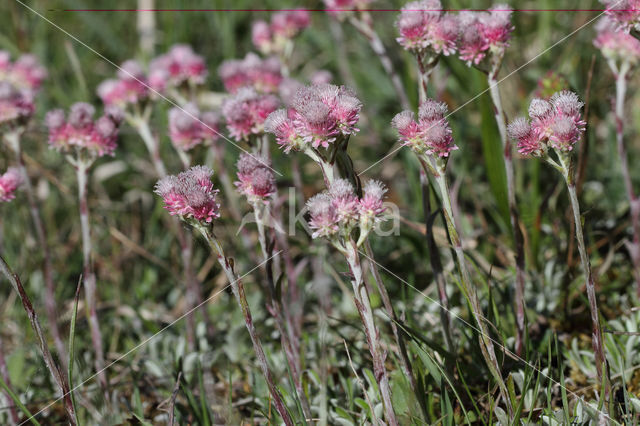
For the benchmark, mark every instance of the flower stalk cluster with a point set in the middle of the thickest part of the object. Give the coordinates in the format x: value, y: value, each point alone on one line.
x: 431, y: 140
x: 191, y: 196
x: 83, y: 139
x: 276, y: 36
x: 556, y: 126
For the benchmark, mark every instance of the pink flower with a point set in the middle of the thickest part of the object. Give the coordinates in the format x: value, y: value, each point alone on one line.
x: 129, y: 88
x: 261, y: 36
x: 16, y: 106
x: 616, y: 45
x: 190, y: 195
x: 185, y: 130
x: 482, y: 33
x: 556, y: 123
x: 281, y: 125
x: 255, y: 178
x: 317, y: 116
x: 345, y: 203
x: 80, y: 131
x: 28, y: 73
x: 338, y: 211
x: 625, y: 13
x: 9, y: 183
x: 288, y: 23
x: 264, y: 75
x: 324, y: 220
x: 431, y: 134
x: 180, y: 65
x: 246, y: 111
x: 528, y: 142
x: 423, y: 25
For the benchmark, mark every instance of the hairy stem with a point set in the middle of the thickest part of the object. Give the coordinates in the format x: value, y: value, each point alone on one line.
x: 363, y: 303
x: 596, y: 331
x: 276, y: 310
x: 238, y: 291
x: 470, y: 292
x: 513, y: 208
x: 634, y: 200
x: 56, y: 373
x: 88, y: 274
x: 13, y: 139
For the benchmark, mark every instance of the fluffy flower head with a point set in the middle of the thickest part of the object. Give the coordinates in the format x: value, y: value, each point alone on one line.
x: 190, y: 195
x: 431, y: 134
x: 616, y: 45
x: 264, y: 75
x: 246, y: 111
x: 10, y: 181
x: 255, y: 178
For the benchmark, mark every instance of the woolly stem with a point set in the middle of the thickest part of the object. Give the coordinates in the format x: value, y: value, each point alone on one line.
x: 634, y: 200
x: 13, y: 139
x: 13, y: 411
x: 54, y: 369
x: 238, y: 292
x: 365, y: 27
x: 88, y: 274
x: 276, y: 309
x: 470, y: 293
x: 596, y: 331
x: 436, y: 263
x: 141, y: 125
x: 519, y: 283
x: 363, y: 303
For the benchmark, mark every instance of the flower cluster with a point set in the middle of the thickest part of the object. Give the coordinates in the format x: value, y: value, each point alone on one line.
x: 178, y: 66
x: 341, y: 8
x: 616, y: 45
x: 190, y: 195
x: 19, y: 82
x: 431, y: 134
x: 317, y: 116
x: 16, y: 105
x: 256, y: 180
x: 79, y: 131
x: 423, y: 25
x: 188, y: 127
x: 483, y: 33
x: 338, y: 211
x: 25, y: 73
x: 284, y: 26
x: 130, y: 87
x: 264, y: 75
x: 9, y: 183
x: 175, y: 68
x: 625, y: 13
x: 246, y: 110
x: 556, y: 123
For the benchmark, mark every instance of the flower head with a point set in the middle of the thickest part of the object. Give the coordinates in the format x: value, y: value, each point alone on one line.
x: 338, y: 211
x: 556, y: 123
x: 16, y: 106
x: 190, y: 195
x: 130, y: 86
x: 261, y: 36
x: 180, y: 65
x: 484, y: 33
x: 625, y: 13
x: 431, y: 134
x: 255, y: 178
x: 79, y: 131
x: 614, y: 44
x: 27, y: 73
x: 246, y: 111
x: 423, y: 25
x: 264, y: 75
x: 10, y: 181
x: 317, y: 116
